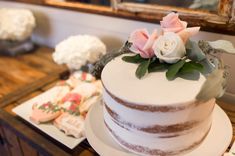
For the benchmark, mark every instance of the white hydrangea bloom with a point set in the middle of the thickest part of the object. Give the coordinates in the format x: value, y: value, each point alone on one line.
x: 75, y: 51
x: 16, y: 24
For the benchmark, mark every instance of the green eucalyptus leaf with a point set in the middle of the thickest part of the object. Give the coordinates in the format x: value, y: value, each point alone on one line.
x: 133, y: 59
x: 214, y: 86
x: 142, y: 69
x: 208, y: 67
x: 174, y: 69
x: 190, y: 67
x: 194, y: 52
x: 223, y: 45
x: 157, y: 67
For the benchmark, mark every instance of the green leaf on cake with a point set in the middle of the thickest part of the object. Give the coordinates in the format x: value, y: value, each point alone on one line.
x: 133, y: 59
x: 157, y: 66
x: 214, y: 86
x: 174, y: 69
x: 190, y: 67
x: 194, y: 52
x: 208, y: 67
x: 142, y: 69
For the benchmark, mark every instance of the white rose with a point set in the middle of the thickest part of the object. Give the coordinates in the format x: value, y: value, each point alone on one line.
x: 169, y: 48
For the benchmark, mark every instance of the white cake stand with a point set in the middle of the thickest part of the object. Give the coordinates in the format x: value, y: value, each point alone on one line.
x: 215, y: 144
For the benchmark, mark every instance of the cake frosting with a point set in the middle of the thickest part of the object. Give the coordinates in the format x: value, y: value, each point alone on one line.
x: 153, y: 89
x: 153, y: 116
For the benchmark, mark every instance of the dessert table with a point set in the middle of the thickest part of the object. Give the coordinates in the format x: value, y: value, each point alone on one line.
x: 24, y: 77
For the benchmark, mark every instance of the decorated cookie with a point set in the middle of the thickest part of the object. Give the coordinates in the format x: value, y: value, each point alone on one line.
x: 76, y: 79
x: 44, y: 113
x: 70, y: 104
x: 71, y: 124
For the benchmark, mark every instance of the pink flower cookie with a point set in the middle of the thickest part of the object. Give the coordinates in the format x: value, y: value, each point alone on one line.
x: 71, y: 102
x: 72, y: 97
x: 44, y: 113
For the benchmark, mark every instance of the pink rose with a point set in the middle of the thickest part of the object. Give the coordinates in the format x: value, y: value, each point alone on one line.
x: 172, y: 23
x: 188, y: 32
x: 142, y: 42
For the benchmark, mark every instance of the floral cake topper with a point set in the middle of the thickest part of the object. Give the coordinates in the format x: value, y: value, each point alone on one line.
x: 172, y: 50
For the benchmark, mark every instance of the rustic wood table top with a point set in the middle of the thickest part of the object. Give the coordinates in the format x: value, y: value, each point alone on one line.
x: 22, y: 74
x: 22, y: 78
x: 25, y: 77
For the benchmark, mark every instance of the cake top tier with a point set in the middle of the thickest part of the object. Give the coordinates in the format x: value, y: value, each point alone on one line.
x: 119, y: 79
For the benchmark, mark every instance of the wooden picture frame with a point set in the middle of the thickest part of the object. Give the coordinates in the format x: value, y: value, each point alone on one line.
x: 222, y: 21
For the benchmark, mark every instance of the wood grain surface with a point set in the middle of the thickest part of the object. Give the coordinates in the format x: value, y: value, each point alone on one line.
x: 23, y: 74
x: 222, y: 23
x: 208, y: 21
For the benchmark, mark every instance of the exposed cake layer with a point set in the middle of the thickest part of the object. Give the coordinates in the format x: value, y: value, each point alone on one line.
x: 192, y: 114
x: 119, y: 78
x: 158, y: 133
x: 140, y: 143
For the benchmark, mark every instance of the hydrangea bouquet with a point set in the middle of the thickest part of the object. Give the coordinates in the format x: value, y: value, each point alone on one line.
x: 171, y: 49
x: 79, y: 51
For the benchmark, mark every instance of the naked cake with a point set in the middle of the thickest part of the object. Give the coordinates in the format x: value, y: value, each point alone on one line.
x: 153, y: 116
x: 159, y: 97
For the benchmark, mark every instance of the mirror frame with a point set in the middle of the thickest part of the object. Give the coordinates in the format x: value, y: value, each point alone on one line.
x: 221, y: 22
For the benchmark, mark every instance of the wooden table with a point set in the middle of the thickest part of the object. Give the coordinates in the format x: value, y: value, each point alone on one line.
x: 23, y: 78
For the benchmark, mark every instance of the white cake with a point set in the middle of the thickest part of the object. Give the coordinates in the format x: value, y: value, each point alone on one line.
x: 153, y: 116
